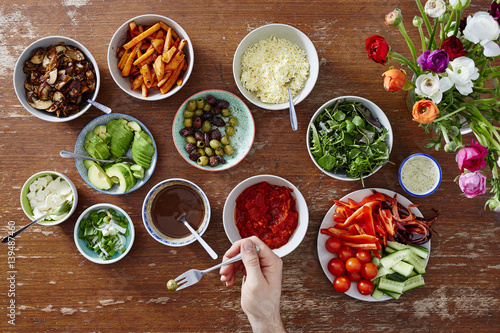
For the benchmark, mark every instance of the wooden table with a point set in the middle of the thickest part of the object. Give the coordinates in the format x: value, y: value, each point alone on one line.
x: 56, y: 289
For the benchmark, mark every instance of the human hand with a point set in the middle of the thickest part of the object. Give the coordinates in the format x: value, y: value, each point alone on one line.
x: 261, y: 285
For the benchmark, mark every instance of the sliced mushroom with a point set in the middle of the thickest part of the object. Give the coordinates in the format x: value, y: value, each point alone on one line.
x: 43, y: 91
x: 58, y: 96
x: 52, y: 77
x: 75, y: 54
x: 60, y: 49
x: 38, y: 57
x: 36, y: 103
x: 75, y: 88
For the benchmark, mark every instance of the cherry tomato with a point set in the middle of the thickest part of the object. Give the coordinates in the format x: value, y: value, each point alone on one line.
x: 353, y: 265
x: 336, y: 266
x: 345, y: 253
x: 341, y: 284
x: 333, y: 244
x: 369, y: 271
x: 365, y: 287
x: 364, y: 256
x: 354, y: 277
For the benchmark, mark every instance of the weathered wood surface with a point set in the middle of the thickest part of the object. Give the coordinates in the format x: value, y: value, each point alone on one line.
x: 59, y: 290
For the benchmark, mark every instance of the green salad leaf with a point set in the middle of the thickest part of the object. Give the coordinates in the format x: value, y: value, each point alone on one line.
x: 348, y: 139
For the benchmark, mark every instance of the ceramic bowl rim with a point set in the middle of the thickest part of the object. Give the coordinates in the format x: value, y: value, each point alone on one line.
x: 434, y: 188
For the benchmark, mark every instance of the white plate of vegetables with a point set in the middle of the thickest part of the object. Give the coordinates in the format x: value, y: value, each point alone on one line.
x: 115, y: 136
x: 384, y: 269
x: 104, y: 233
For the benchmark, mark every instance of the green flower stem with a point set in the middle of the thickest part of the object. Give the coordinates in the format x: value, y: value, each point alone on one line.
x: 422, y: 37
x: 445, y: 133
x: 485, y: 90
x: 402, y: 59
x: 457, y: 24
x: 450, y: 114
x: 485, y: 101
x: 408, y: 41
x: 450, y: 20
x: 433, y: 34
x: 424, y: 16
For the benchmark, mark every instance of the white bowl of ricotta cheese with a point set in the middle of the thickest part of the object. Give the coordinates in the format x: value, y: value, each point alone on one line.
x: 44, y: 192
x: 269, y: 57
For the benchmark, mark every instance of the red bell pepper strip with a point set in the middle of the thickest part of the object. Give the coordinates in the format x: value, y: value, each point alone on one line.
x: 387, y: 221
x: 367, y: 217
x: 345, y: 235
x: 352, y: 219
x: 373, y: 197
x: 367, y: 246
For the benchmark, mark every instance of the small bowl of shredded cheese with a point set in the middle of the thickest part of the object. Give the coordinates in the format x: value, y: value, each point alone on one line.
x: 44, y: 192
x: 420, y: 175
x: 268, y: 58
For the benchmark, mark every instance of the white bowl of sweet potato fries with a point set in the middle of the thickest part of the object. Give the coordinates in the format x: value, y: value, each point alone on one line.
x: 150, y: 57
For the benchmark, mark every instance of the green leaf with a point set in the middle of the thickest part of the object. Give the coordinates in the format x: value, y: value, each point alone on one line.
x: 327, y: 162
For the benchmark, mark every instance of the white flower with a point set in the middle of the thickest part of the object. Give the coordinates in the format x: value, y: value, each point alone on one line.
x: 459, y: 4
x: 431, y: 86
x: 435, y: 8
x: 462, y: 73
x: 482, y: 28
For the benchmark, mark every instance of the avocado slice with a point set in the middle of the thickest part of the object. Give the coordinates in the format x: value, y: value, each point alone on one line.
x: 99, y: 178
x: 120, y: 139
x: 142, y: 149
x: 134, y: 126
x: 100, y: 130
x: 124, y: 174
x: 88, y: 163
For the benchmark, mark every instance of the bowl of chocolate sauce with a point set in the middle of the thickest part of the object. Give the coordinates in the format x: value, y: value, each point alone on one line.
x: 166, y: 202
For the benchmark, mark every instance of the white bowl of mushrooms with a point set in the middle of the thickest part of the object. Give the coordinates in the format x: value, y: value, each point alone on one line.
x: 54, y: 77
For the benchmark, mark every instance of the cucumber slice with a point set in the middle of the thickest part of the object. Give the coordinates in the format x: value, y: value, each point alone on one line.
x: 421, y: 251
x: 394, y: 258
x: 403, y: 268
x: 388, y: 250
x: 397, y: 277
x: 390, y: 286
x: 376, y: 261
x: 393, y: 295
x: 414, y: 282
x: 396, y: 245
x: 417, y: 262
x: 377, y: 294
x: 382, y: 271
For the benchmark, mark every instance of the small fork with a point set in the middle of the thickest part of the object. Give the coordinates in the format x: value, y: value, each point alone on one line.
x: 193, y: 276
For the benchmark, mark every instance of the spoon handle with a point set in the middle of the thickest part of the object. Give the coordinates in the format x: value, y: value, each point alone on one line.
x: 100, y: 106
x: 293, y: 115
x: 68, y: 154
x: 227, y: 262
x: 202, y: 241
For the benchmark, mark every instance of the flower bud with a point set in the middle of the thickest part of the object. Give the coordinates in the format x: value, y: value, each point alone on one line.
x: 435, y: 8
x: 394, y: 18
x: 450, y: 147
x: 418, y: 21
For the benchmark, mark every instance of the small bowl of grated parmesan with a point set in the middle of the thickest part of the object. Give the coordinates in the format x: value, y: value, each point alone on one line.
x: 45, y: 191
x: 419, y: 175
x: 268, y: 58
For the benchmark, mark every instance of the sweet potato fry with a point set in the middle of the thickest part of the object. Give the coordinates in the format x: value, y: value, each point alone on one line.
x: 164, y: 80
x: 159, y: 67
x: 165, y: 27
x: 128, y: 64
x: 170, y: 82
x: 144, y: 56
x: 132, y: 29
x: 167, y: 56
x: 168, y: 43
x: 158, y: 45
x: 138, y: 81
x: 181, y: 44
x: 146, y: 73
x: 175, y: 61
x: 140, y: 37
x: 179, y: 81
x: 159, y: 34
x: 123, y: 59
x: 145, y: 90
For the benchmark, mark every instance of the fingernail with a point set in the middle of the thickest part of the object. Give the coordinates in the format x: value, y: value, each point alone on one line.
x: 227, y: 284
x: 248, y: 246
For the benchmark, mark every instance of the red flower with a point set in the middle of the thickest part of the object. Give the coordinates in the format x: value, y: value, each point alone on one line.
x: 453, y: 46
x: 377, y: 49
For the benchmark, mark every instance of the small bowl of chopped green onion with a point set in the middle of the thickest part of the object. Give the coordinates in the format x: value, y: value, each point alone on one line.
x: 104, y: 233
x: 349, y: 138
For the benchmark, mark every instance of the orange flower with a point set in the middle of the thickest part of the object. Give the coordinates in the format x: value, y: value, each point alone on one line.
x: 425, y: 111
x: 394, y: 79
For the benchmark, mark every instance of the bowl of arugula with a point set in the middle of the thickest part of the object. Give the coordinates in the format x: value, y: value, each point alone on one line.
x: 349, y: 138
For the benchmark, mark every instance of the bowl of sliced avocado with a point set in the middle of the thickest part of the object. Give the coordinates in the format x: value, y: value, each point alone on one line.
x: 122, y: 139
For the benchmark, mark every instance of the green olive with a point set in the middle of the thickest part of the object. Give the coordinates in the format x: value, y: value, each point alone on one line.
x: 203, y: 160
x: 228, y: 149
x: 188, y: 114
x: 200, y: 103
x: 198, y: 112
x: 190, y: 139
x: 225, y: 140
x: 172, y: 285
x: 226, y: 112
x: 200, y: 144
x: 219, y: 151
x: 202, y: 152
x: 206, y: 126
x: 233, y: 121
x: 188, y: 122
x: 191, y: 105
x: 230, y: 130
x: 214, y: 144
x: 209, y: 151
x: 207, y: 107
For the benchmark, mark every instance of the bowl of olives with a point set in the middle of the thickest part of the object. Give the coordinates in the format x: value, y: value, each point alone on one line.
x: 213, y: 130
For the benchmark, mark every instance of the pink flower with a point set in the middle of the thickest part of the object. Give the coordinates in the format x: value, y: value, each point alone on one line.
x: 472, y: 184
x: 472, y: 157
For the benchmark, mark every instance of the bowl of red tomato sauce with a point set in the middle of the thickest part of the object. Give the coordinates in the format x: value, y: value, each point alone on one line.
x: 269, y: 207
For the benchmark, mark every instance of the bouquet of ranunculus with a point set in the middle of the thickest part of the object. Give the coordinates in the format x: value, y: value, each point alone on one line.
x: 455, y: 83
